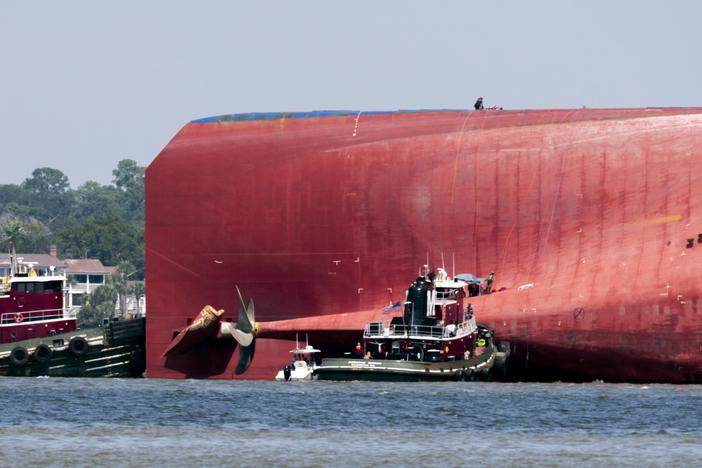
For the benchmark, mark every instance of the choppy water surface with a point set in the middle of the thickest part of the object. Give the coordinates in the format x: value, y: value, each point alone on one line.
x: 146, y: 422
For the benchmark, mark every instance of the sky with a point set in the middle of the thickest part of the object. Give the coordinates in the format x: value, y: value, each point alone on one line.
x: 84, y: 84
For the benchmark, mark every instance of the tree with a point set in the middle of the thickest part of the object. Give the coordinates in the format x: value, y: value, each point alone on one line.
x: 94, y: 220
x: 128, y: 175
x: 111, y: 239
x: 11, y: 195
x: 48, y: 195
x: 129, y: 179
x: 16, y: 209
x: 119, y: 280
x: 98, y: 305
x: 94, y: 200
x: 13, y: 232
x: 24, y: 234
x: 137, y: 289
x: 46, y: 181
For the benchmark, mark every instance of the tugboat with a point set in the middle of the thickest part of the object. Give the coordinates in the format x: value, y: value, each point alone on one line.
x: 32, y: 306
x: 39, y: 337
x: 436, y: 338
x: 303, y: 364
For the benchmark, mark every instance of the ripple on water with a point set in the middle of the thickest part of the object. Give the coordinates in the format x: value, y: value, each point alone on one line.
x: 139, y: 422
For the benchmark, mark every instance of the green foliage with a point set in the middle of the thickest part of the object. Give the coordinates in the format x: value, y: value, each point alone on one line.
x: 45, y: 181
x: 98, y: 305
x: 26, y: 234
x: 94, y: 200
x: 48, y: 196
x: 12, y: 233
x: 94, y: 220
x: 12, y: 194
x: 111, y: 239
x: 129, y: 179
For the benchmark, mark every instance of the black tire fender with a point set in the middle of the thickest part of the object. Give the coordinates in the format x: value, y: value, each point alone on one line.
x: 78, y: 346
x: 42, y: 353
x: 19, y: 356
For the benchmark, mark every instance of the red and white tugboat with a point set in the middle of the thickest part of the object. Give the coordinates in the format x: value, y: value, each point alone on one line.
x: 436, y: 338
x: 32, y: 306
x: 38, y: 334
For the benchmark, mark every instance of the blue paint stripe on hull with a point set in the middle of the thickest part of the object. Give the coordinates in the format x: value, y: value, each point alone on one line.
x: 311, y: 114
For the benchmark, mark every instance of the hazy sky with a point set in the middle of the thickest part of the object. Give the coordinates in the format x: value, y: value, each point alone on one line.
x: 85, y: 84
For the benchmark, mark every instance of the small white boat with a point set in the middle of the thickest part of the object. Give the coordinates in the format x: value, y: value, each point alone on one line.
x: 303, y: 364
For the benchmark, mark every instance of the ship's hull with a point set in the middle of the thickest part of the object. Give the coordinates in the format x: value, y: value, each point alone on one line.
x: 584, y: 215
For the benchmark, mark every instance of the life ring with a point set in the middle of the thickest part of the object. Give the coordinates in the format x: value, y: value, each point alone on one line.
x: 42, y: 353
x: 19, y: 356
x: 78, y: 346
x: 19, y: 317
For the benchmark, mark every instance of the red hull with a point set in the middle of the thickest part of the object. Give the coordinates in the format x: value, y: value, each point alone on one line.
x: 316, y: 215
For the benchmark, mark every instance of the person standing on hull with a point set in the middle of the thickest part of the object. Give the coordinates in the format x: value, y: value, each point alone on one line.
x: 479, y: 104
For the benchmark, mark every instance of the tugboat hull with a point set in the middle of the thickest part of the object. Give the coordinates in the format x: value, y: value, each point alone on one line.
x: 390, y: 370
x: 115, y: 351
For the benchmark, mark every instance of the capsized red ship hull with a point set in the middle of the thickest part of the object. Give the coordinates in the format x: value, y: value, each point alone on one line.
x: 590, y: 218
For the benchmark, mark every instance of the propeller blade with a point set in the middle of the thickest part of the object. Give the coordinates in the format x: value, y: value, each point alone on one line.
x: 243, y: 332
x: 246, y: 354
x: 243, y: 338
x: 244, y: 324
x: 250, y: 312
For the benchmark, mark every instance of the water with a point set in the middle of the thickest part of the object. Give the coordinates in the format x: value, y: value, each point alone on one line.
x: 83, y: 422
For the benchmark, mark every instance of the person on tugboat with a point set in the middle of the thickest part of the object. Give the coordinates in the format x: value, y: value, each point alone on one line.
x: 358, y: 351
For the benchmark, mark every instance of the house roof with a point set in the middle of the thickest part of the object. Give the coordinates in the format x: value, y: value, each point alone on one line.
x: 39, y: 260
x: 87, y: 266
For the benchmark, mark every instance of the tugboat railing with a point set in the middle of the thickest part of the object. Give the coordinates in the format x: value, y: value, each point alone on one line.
x: 16, y: 318
x: 379, y: 330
